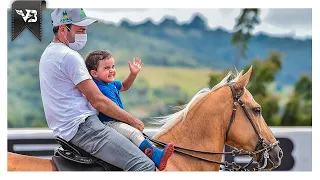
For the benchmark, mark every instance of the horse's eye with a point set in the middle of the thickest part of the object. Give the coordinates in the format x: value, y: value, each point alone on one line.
x: 257, y: 111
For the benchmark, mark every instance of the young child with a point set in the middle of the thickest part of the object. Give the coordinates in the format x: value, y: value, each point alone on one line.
x: 101, y: 67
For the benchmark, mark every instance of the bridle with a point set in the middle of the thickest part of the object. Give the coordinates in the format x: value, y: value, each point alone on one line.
x: 234, y: 166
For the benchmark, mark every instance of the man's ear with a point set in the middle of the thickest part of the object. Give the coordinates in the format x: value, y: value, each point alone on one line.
x: 94, y: 73
x: 62, y: 28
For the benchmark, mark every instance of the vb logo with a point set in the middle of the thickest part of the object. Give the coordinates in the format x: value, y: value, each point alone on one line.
x: 30, y: 16
x: 27, y: 14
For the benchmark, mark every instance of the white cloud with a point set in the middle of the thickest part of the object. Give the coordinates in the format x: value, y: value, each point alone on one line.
x: 299, y: 18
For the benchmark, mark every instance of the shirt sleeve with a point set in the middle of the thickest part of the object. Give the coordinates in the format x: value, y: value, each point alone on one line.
x: 74, y: 67
x: 118, y: 84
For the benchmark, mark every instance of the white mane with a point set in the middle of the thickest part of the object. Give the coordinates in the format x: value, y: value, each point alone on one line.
x: 170, y: 120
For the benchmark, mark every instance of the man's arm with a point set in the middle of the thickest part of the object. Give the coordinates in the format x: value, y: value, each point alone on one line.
x: 105, y: 105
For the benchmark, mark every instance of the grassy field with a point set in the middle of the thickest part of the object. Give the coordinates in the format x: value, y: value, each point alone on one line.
x: 189, y: 80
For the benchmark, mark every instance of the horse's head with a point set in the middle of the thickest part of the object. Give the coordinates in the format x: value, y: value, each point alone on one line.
x: 225, y: 114
x: 247, y: 129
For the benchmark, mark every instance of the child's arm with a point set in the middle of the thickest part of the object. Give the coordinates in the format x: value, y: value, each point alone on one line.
x: 135, y: 68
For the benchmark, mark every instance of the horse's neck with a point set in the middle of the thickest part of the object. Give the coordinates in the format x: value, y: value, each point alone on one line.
x: 194, y: 133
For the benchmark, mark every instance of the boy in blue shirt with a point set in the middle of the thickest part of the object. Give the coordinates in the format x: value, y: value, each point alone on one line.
x: 100, y: 65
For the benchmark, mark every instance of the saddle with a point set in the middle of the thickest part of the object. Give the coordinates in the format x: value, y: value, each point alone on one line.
x: 68, y: 157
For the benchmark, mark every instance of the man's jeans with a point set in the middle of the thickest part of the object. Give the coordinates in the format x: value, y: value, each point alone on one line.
x: 108, y: 145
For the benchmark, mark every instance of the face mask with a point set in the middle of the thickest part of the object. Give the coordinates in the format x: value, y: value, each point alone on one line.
x: 80, y: 41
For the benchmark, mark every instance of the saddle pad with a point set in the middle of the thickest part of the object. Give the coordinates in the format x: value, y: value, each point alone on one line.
x: 66, y: 165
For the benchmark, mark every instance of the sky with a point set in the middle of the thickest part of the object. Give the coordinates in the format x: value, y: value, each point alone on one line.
x: 277, y: 21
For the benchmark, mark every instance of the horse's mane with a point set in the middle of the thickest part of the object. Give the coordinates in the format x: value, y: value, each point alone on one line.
x: 169, y: 120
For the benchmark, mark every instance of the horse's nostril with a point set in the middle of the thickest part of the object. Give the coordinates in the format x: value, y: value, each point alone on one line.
x: 280, y: 154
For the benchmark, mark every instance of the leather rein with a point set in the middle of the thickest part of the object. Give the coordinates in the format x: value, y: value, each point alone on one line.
x: 234, y: 166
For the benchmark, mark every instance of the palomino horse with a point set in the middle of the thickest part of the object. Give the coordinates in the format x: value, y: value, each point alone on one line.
x: 226, y: 114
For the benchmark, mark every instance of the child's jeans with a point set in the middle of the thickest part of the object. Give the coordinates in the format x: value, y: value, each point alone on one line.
x: 133, y: 134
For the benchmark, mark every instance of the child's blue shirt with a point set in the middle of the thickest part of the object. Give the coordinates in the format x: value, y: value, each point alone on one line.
x: 112, y: 91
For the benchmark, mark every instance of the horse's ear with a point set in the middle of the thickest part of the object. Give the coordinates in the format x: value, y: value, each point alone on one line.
x: 240, y: 74
x: 243, y: 80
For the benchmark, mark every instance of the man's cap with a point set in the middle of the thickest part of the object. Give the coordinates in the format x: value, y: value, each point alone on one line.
x: 75, y: 16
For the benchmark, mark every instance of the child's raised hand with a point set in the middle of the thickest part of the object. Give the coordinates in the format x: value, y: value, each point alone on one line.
x: 135, y: 66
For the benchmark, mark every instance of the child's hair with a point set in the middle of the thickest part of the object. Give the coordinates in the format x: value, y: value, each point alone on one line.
x: 92, y: 60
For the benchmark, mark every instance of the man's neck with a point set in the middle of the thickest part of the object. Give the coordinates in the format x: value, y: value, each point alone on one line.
x: 56, y: 40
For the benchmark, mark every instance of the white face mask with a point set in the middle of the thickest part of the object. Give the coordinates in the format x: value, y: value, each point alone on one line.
x: 80, y: 41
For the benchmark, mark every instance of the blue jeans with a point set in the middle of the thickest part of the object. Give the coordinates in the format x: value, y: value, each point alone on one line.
x: 107, y: 144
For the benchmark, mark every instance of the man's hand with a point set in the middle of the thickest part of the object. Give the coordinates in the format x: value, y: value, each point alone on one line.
x: 135, y: 66
x: 138, y: 124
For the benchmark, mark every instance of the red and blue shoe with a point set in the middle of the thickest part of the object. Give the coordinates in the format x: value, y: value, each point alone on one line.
x: 159, y: 157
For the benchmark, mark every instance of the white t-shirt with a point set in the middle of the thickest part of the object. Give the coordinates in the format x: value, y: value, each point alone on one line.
x: 65, y: 107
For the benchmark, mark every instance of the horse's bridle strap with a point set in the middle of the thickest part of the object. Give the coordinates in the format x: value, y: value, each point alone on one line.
x: 237, y: 100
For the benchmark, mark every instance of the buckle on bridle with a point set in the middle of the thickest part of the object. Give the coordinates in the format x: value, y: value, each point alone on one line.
x: 265, y: 157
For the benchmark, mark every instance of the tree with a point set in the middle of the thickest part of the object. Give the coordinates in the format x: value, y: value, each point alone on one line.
x: 246, y: 22
x: 291, y: 114
x: 299, y: 109
x: 264, y: 73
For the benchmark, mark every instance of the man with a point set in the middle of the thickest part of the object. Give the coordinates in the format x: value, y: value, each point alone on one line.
x: 71, y: 99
